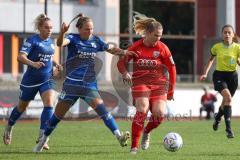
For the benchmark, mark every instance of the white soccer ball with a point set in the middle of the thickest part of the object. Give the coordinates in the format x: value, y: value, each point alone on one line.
x: 172, y: 142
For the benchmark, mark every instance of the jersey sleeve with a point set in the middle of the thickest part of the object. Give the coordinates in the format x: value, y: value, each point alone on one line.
x: 27, y: 46
x: 69, y: 37
x: 123, y: 61
x: 169, y: 62
x: 213, y: 50
x: 103, y: 46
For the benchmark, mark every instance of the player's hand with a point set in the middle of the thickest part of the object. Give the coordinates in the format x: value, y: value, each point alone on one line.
x: 57, y: 70
x: 238, y: 61
x: 203, y: 77
x: 131, y: 53
x: 170, y: 96
x: 127, y: 78
x: 38, y: 65
x: 64, y: 27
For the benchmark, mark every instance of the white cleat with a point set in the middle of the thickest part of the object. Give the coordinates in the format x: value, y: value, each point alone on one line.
x: 133, y: 150
x: 7, y: 135
x: 124, y: 138
x: 145, y: 141
x: 39, y: 147
x: 41, y: 133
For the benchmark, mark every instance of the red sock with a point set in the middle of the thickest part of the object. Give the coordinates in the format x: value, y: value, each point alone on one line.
x: 137, y: 127
x: 153, y: 122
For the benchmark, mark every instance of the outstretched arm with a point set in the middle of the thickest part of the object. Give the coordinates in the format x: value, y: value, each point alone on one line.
x: 121, y: 52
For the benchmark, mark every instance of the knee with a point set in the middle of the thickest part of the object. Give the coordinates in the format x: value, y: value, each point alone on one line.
x: 227, y: 99
x: 95, y: 102
x: 142, y: 107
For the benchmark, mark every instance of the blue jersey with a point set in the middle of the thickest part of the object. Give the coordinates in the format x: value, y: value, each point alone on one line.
x: 81, y: 54
x: 38, y: 49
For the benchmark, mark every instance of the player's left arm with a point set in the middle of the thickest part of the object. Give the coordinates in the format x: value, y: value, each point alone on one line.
x: 169, y: 62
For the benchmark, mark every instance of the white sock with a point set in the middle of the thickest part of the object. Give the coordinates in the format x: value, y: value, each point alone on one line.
x: 117, y: 133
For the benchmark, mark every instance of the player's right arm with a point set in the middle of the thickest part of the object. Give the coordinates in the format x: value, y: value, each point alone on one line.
x: 207, y: 68
x: 122, y: 68
x: 209, y: 63
x: 61, y: 41
x: 25, y: 50
x: 22, y: 57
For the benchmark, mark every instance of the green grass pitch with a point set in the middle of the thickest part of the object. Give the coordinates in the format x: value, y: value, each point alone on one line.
x: 91, y: 140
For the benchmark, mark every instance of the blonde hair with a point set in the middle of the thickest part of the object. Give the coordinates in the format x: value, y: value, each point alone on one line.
x: 143, y: 24
x: 82, y: 20
x: 40, y: 20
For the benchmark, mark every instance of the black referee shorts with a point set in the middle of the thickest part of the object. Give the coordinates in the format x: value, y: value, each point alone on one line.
x: 225, y: 80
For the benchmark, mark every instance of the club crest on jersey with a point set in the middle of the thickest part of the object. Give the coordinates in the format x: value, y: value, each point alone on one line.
x: 93, y: 45
x: 52, y: 46
x: 156, y: 54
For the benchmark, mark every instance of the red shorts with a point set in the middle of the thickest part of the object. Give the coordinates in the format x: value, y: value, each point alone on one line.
x: 153, y: 92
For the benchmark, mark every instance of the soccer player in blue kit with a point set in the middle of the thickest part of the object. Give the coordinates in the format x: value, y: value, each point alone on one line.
x: 37, y: 53
x: 80, y: 79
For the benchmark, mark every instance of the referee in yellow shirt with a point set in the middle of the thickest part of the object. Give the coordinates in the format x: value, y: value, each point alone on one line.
x: 225, y: 77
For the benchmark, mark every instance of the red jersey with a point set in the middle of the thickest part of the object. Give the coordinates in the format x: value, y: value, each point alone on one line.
x: 153, y: 66
x: 208, y: 98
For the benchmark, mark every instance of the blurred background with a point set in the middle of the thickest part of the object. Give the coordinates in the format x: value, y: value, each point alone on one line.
x: 191, y: 27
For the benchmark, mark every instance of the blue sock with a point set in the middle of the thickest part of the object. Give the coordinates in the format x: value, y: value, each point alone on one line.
x: 15, y: 115
x: 45, y: 116
x: 51, y: 125
x: 106, y: 117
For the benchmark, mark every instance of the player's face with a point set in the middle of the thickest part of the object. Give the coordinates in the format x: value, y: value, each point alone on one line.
x: 86, y: 30
x: 228, y: 35
x: 46, y: 29
x: 155, y: 35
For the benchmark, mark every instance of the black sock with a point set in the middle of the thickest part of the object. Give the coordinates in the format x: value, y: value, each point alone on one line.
x: 227, y: 115
x: 219, y: 114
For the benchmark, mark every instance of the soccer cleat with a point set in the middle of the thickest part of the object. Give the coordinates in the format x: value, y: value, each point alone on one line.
x: 45, y: 146
x: 39, y: 147
x: 133, y: 150
x: 229, y: 133
x: 41, y: 133
x: 124, y: 138
x: 7, y: 135
x: 145, y: 141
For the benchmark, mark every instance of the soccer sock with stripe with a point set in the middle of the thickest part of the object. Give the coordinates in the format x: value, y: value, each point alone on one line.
x: 51, y: 124
x: 219, y: 114
x: 45, y: 116
x: 15, y: 115
x: 153, y: 122
x: 137, y: 128
x: 227, y: 116
x: 108, y: 119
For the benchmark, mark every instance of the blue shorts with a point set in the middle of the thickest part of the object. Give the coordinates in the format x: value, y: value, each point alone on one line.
x: 28, y: 93
x: 73, y: 90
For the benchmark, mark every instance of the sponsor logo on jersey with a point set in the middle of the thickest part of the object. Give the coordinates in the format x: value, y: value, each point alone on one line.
x: 156, y: 54
x: 86, y: 54
x: 147, y: 63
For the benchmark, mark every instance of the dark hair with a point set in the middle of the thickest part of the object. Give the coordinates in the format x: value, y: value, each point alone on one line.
x: 236, y: 39
x: 82, y: 20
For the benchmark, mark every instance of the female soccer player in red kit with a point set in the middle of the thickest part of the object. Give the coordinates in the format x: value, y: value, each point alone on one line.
x: 153, y: 78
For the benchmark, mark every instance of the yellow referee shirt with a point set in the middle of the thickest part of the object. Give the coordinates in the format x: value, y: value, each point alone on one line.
x: 226, y: 56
